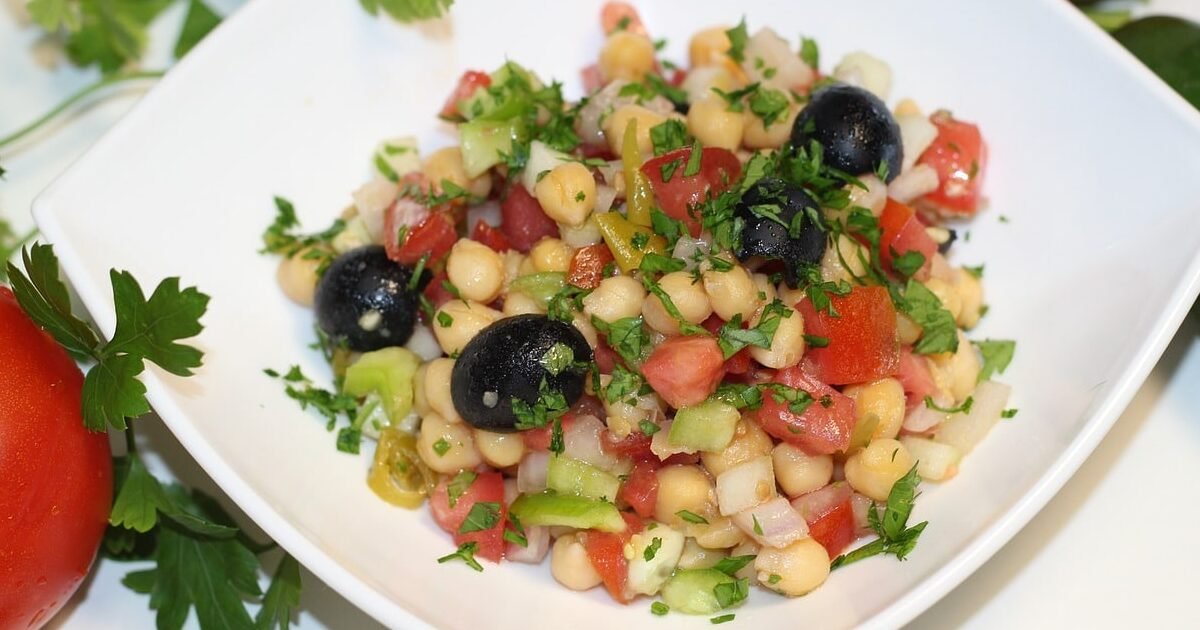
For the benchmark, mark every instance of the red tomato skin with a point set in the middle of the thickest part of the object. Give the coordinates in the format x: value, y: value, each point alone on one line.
x: 470, y: 81
x: 835, y: 528
x: 606, y: 551
x: 904, y: 232
x: 606, y: 357
x: 635, y: 446
x: 959, y: 155
x: 522, y: 220
x: 740, y: 362
x: 719, y: 169
x: 587, y: 265
x: 433, y: 236
x: 640, y: 491
x: 487, y: 487
x: 915, y: 377
x: 685, y: 370
x: 436, y: 290
x: 820, y: 430
x: 56, y: 487
x: 863, y: 345
x: 490, y: 236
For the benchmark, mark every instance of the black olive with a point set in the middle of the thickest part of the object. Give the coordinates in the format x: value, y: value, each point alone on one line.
x: 769, y: 209
x: 944, y: 247
x: 855, y: 129
x: 510, y: 359
x: 364, y: 300
x: 682, y: 107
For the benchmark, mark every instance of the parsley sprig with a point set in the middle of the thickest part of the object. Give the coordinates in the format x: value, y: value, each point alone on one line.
x: 895, y: 536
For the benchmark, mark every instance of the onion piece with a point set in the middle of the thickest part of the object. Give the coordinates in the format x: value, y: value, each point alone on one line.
x: 745, y: 485
x: 964, y: 431
x: 935, y: 461
x: 372, y: 200
x: 780, y: 523
x: 582, y: 442
x: 860, y: 504
x: 537, y: 538
x: 488, y: 212
x: 818, y: 503
x: 913, y: 183
x: 532, y: 472
x: 922, y: 418
x: 662, y: 447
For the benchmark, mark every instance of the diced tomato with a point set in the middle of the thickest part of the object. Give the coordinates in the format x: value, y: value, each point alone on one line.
x: 487, y: 488
x: 606, y: 551
x: 490, y: 236
x: 914, y: 375
x: 587, y: 405
x: 436, y: 291
x: 523, y: 221
x: 678, y: 77
x: 835, y: 528
x: 606, y: 358
x: 599, y: 151
x: 685, y: 370
x: 470, y: 81
x: 862, y: 338
x: 741, y: 361
x: 640, y: 491
x: 959, y: 155
x: 539, y: 439
x: 719, y: 169
x: 621, y: 15
x: 903, y: 232
x: 587, y: 265
x: 434, y: 236
x: 635, y: 446
x: 823, y: 428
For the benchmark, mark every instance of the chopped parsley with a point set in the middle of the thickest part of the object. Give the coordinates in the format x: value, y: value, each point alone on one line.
x: 652, y: 549
x: 648, y: 428
x: 775, y: 578
x: 564, y: 304
x: 459, y: 485
x: 731, y: 565
x: 659, y: 608
x: 732, y: 337
x: 693, y: 162
x: 466, y: 553
x: 441, y: 447
x: 997, y: 354
x: 1008, y: 413
x: 977, y: 272
x: 658, y: 263
x: 908, y: 263
x: 738, y: 36
x: 731, y: 594
x: 558, y: 358
x: 769, y: 105
x: 624, y: 385
x: 965, y: 407
x: 895, y: 537
x: 444, y: 319
x: 281, y: 237
x: 483, y: 516
x: 722, y: 618
x: 550, y: 405
x: 627, y: 336
x: 816, y: 341
x: 810, y: 53
x: 691, y: 517
x: 939, y: 332
x: 669, y: 135
x: 758, y: 530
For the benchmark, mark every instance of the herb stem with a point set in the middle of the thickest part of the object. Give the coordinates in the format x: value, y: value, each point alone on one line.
x: 130, y: 442
x: 120, y: 77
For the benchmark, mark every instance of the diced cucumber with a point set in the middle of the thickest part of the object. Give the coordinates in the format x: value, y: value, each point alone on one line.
x: 566, y: 510
x: 484, y: 140
x: 540, y: 286
x: 571, y: 476
x: 389, y: 373
x: 708, y: 426
x: 647, y: 576
x: 354, y: 235
x: 509, y: 95
x: 396, y: 157
x: 541, y: 159
x: 691, y: 591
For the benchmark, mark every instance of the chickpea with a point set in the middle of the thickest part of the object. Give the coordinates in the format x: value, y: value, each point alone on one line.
x: 567, y: 193
x: 297, y: 276
x: 551, y: 254
x: 476, y: 270
x: 447, y: 164
x: 617, y: 297
x: 749, y: 441
x: 689, y: 298
x: 946, y: 293
x: 570, y: 566
x: 787, y: 347
x: 697, y: 557
x: 970, y: 294
x: 458, y: 321
x: 798, y: 472
x: 682, y: 488
x: 709, y: 47
x: 766, y: 290
x: 446, y: 448
x: 957, y: 372
x: 719, y: 533
x: 731, y: 292
x: 516, y: 303
x: 627, y: 56
x: 436, y: 381
x: 801, y: 566
x: 500, y: 450
x: 713, y: 125
x: 907, y: 330
x: 701, y: 80
x: 756, y: 135
x: 584, y: 325
x: 884, y: 399
x: 875, y: 469
x: 851, y: 262
x: 614, y: 127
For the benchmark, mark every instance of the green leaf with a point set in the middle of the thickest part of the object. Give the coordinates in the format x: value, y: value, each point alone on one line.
x: 44, y: 298
x: 900, y: 504
x: 939, y: 332
x: 997, y: 354
x: 1169, y: 46
x: 149, y: 328
x: 737, y: 41
x: 112, y: 393
x: 110, y: 33
x: 140, y: 499
x: 282, y: 600
x: 408, y: 10
x: 200, y: 20
x: 51, y: 14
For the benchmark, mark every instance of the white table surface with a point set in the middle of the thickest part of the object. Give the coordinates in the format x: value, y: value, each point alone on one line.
x: 1113, y: 549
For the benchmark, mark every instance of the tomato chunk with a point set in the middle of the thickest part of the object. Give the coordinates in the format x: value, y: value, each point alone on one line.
x: 741, y: 361
x: 903, y: 232
x: 470, y: 81
x: 434, y: 236
x: 606, y: 551
x: 719, y: 169
x: 490, y: 236
x: 862, y: 338
x: 835, y: 528
x: 587, y: 265
x: 522, y: 220
x: 635, y: 446
x: 915, y: 377
x: 640, y: 491
x: 487, y: 488
x: 959, y: 155
x: 823, y: 428
x: 685, y: 370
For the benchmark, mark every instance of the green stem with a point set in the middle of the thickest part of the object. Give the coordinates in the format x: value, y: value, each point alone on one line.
x: 130, y: 443
x: 105, y: 82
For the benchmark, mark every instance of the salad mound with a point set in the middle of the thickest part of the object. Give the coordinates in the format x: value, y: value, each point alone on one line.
x: 695, y: 332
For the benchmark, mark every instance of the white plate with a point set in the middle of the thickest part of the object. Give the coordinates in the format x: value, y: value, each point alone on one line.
x: 1093, y: 161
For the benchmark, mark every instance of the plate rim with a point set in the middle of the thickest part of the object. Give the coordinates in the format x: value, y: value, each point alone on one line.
x: 382, y: 608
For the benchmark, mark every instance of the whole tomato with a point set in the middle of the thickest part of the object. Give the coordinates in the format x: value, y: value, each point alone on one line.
x: 55, y: 475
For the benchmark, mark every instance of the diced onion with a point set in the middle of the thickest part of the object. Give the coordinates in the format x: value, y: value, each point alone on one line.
x: 861, y: 503
x: 964, y: 431
x: 916, y: 134
x: 532, y: 471
x: 424, y: 344
x: 913, y: 183
x: 780, y: 523
x: 582, y: 442
x: 935, y: 461
x: 372, y: 200
x: 922, y: 418
x: 818, y: 503
x: 745, y: 485
x: 538, y: 539
x: 489, y: 211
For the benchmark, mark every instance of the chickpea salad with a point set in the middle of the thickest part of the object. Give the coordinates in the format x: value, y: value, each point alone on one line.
x: 694, y: 332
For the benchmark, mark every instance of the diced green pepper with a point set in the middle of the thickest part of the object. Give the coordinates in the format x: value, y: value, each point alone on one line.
x: 708, y: 426
x: 389, y: 374
x: 540, y: 286
x: 568, y: 511
x: 571, y: 476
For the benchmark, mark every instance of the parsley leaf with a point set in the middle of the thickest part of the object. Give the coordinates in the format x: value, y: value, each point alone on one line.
x: 810, y: 53
x: 719, y: 619
x: 731, y: 565
x: 737, y: 41
x: 908, y: 263
x: 691, y: 517
x: 659, y: 608
x: 551, y: 404
x: 483, y: 515
x: 997, y: 354
x: 200, y: 20
x: 652, y: 549
x: 564, y: 304
x: 628, y: 336
x: 458, y: 485
x: 282, y: 600
x: 466, y: 553
x: 668, y: 136
x: 769, y: 105
x: 658, y: 263
x: 557, y: 358
x: 732, y: 593
x: 732, y: 337
x: 940, y: 333
x: 895, y: 537
x: 408, y: 10
x: 965, y: 407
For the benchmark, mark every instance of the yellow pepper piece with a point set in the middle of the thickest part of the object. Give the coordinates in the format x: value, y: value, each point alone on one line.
x: 619, y: 234
x: 398, y: 475
x: 639, y: 195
